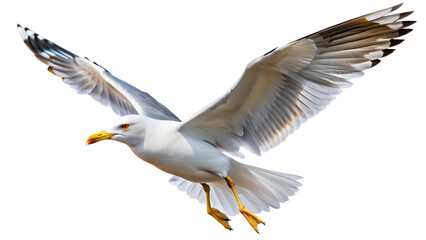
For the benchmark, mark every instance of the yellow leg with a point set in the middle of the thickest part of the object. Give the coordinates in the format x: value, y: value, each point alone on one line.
x: 216, y: 214
x: 251, y: 218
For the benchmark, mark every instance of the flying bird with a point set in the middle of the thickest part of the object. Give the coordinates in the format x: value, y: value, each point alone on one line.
x: 276, y: 93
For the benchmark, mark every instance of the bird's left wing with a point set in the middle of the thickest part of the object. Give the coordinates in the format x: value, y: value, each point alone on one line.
x: 90, y: 78
x: 286, y: 86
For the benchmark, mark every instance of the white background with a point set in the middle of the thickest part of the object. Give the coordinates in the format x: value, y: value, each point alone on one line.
x: 362, y: 159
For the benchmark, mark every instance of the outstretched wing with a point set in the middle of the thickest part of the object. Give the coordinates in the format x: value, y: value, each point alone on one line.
x: 90, y: 78
x: 283, y: 88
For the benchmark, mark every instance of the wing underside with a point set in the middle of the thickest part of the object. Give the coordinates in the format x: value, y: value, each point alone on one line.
x: 283, y: 88
x: 88, y: 77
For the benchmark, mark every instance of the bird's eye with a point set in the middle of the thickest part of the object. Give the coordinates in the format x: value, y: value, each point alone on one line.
x: 124, y: 126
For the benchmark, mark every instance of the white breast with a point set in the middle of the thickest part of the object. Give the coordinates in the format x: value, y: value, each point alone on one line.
x: 185, y: 156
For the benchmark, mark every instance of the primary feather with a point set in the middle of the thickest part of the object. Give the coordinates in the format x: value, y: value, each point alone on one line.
x: 283, y: 88
x: 90, y: 78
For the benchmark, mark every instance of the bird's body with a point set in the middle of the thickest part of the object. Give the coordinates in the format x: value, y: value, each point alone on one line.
x: 276, y: 93
x: 179, y: 154
x: 193, y: 160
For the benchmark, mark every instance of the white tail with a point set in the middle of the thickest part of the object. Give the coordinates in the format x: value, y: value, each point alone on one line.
x: 259, y: 189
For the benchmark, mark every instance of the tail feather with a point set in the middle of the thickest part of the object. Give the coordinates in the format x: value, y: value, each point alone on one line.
x: 259, y: 189
x: 282, y: 185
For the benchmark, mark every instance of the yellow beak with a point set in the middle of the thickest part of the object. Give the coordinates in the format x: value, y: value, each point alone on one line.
x: 98, y: 137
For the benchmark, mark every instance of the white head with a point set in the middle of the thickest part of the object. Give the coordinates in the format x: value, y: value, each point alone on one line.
x: 128, y: 129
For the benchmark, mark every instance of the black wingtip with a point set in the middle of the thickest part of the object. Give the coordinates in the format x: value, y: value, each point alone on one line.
x: 386, y: 52
x: 404, y: 31
x: 395, y: 42
x: 374, y: 62
x: 407, y: 23
x: 405, y: 14
x: 18, y: 25
x: 396, y: 7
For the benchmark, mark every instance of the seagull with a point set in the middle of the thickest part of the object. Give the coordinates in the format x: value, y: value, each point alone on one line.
x: 276, y: 93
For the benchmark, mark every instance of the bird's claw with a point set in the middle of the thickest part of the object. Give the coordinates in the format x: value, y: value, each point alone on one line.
x: 220, y: 217
x: 252, y: 219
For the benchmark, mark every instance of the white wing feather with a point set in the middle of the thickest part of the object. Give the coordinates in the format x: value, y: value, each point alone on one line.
x: 283, y: 88
x: 90, y: 78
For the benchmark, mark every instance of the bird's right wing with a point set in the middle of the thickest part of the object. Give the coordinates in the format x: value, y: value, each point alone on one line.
x: 88, y: 77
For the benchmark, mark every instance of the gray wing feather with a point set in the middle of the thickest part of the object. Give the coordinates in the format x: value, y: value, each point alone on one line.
x: 283, y: 88
x: 88, y: 77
